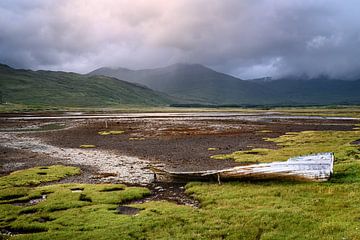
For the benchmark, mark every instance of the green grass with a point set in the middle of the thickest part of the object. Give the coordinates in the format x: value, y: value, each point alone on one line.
x: 37, y: 175
x: 302, y: 143
x: 326, y: 111
x: 87, y: 146
x: 114, y: 132
x: 236, y: 210
x: 212, y: 149
x: 233, y: 210
x: 67, y: 207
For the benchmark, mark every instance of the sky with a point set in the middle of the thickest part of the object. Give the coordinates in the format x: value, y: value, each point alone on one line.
x: 247, y: 38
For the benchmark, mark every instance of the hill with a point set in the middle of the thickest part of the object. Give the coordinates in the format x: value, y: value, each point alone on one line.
x: 72, y: 89
x: 197, y: 83
x: 194, y: 82
x: 315, y: 91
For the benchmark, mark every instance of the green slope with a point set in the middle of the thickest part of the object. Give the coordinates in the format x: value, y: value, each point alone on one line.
x: 71, y: 89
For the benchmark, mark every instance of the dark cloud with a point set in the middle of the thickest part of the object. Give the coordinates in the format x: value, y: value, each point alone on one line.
x: 245, y: 38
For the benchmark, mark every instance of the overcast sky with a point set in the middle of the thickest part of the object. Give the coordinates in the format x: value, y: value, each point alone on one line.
x: 245, y: 38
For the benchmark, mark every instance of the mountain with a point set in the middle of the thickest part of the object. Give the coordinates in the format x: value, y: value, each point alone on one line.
x: 194, y: 82
x: 72, y: 89
x: 315, y: 91
x: 197, y: 83
x: 182, y: 84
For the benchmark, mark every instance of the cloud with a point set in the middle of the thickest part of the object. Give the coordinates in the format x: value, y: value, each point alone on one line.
x: 245, y: 38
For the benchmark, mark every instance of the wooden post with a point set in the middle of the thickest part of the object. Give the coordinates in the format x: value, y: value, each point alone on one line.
x: 106, y: 125
x: 218, y: 178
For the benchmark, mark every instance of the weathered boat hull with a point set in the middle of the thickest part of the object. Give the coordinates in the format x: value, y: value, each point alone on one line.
x: 315, y: 167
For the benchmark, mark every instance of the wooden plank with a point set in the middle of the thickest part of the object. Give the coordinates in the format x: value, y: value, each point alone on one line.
x: 315, y: 167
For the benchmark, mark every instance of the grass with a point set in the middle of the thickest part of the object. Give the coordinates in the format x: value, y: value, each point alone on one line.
x: 302, y: 143
x: 233, y: 210
x: 265, y: 131
x: 212, y: 149
x: 37, y: 175
x: 113, y: 132
x: 326, y: 111
x: 87, y: 146
x: 64, y: 208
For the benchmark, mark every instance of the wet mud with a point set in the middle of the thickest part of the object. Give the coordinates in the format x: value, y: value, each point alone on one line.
x: 173, y: 142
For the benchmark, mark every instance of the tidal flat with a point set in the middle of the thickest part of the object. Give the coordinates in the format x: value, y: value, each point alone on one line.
x: 52, y: 188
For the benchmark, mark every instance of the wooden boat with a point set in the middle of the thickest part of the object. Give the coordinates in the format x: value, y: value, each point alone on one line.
x: 315, y: 167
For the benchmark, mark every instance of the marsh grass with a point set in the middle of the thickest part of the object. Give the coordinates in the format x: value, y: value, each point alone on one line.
x: 113, y: 132
x: 232, y: 210
x: 37, y: 175
x: 63, y: 209
x: 302, y: 143
x: 87, y: 146
x: 212, y: 149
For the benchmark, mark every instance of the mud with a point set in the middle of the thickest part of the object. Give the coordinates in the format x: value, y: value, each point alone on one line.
x: 127, y: 210
x: 177, y: 142
x: 182, y: 145
x: 123, y: 168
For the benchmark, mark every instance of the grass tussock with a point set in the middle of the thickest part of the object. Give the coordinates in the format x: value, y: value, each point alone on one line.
x: 35, y: 176
x: 212, y: 149
x: 87, y: 146
x: 114, y: 132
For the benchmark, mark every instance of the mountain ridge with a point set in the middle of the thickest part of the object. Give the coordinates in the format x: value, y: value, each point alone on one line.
x: 201, y: 84
x: 177, y: 84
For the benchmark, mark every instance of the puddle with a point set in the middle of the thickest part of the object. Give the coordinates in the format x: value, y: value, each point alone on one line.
x: 112, y: 189
x: 31, y: 202
x: 37, y: 200
x: 172, y: 192
x: 183, y: 116
x: 127, y: 210
x: 84, y: 198
x: 44, y: 219
x: 36, y: 128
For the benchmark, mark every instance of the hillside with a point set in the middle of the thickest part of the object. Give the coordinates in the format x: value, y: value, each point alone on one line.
x: 72, y: 89
x: 194, y: 82
x: 204, y: 85
x: 317, y: 91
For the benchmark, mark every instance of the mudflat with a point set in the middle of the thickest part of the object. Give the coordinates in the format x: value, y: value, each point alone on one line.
x: 180, y: 142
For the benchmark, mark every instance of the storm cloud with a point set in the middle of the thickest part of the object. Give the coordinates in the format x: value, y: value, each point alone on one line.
x: 248, y: 39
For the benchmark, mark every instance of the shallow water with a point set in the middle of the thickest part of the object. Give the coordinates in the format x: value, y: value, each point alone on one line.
x: 183, y: 116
